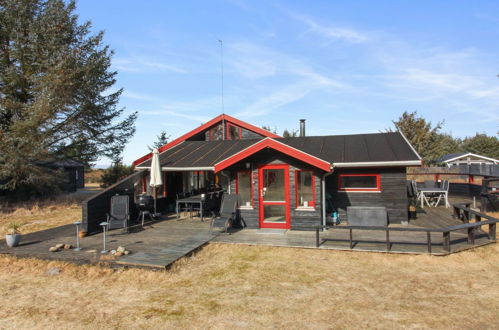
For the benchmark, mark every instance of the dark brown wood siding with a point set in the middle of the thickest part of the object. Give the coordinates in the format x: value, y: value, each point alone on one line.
x: 299, y: 218
x: 393, y: 193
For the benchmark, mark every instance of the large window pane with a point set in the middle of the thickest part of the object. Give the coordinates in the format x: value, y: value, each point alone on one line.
x: 216, y: 133
x: 273, y: 185
x: 233, y: 132
x: 274, y: 213
x: 358, y: 182
x: 244, y: 188
x: 304, y: 186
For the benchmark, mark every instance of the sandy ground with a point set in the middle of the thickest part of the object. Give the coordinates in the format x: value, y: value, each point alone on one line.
x: 233, y: 286
x: 236, y: 286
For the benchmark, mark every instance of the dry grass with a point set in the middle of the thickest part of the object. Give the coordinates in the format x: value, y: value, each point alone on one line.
x: 229, y: 286
x: 39, y: 215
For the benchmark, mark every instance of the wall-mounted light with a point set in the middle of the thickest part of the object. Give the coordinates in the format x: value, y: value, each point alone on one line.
x: 248, y: 165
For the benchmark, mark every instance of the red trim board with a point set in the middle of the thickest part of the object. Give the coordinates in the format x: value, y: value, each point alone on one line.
x: 251, y: 184
x: 204, y: 127
x: 270, y: 143
x: 312, y: 204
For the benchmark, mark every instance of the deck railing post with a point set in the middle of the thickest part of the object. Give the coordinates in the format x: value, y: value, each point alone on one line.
x: 492, y: 231
x: 466, y: 214
x: 387, y: 240
x: 446, y: 242
x: 478, y: 218
x: 471, y: 235
x: 428, y: 238
x: 351, y: 242
x: 317, y: 243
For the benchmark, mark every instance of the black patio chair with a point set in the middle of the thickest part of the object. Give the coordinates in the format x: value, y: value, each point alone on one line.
x: 182, y: 207
x: 227, y: 214
x: 119, y: 214
x: 210, y: 203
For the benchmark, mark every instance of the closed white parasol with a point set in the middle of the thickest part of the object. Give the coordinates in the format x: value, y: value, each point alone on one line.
x: 156, y: 180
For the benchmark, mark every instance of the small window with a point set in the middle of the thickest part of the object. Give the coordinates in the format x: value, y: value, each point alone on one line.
x: 244, y: 188
x: 233, y: 132
x: 359, y: 182
x: 305, y: 192
x: 216, y: 133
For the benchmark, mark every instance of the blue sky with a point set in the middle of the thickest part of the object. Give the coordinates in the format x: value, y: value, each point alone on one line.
x: 345, y: 66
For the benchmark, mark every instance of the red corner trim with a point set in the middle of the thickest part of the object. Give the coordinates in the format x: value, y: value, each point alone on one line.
x: 270, y: 143
x: 204, y: 127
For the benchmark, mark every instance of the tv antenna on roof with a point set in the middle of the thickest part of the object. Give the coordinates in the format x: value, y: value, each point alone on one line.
x: 222, y: 72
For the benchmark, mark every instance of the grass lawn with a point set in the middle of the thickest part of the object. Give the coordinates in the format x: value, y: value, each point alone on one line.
x: 236, y: 286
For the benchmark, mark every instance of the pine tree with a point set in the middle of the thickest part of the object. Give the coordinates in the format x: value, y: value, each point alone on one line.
x: 423, y: 136
x: 291, y: 133
x: 161, y: 140
x: 482, y: 144
x: 268, y: 128
x: 55, y: 102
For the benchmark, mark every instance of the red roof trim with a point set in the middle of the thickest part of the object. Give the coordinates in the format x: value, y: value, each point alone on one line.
x: 276, y: 145
x: 204, y: 127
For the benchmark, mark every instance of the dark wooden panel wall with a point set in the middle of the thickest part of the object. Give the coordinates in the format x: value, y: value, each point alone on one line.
x: 95, y: 209
x: 465, y: 189
x: 393, y: 193
x: 305, y: 218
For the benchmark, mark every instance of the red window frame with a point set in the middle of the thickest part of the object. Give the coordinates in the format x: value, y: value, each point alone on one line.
x: 378, y: 182
x: 312, y: 203
x: 251, y: 185
x: 239, y: 130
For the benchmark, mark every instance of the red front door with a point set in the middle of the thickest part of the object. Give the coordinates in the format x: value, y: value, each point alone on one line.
x: 273, y: 188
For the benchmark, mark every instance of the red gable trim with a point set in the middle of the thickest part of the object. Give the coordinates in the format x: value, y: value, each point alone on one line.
x: 205, y: 127
x: 276, y: 145
x: 250, y: 127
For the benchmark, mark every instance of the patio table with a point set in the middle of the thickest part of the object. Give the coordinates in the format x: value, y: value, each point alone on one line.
x: 423, y: 192
x: 196, y: 199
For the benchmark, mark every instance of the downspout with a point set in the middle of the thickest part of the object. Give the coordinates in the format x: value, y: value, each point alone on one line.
x: 228, y: 180
x: 324, y: 195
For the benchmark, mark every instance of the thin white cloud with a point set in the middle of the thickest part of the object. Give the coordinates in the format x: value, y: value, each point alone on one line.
x: 141, y: 64
x: 297, y: 78
x: 179, y: 114
x: 331, y: 32
x: 138, y: 96
x: 275, y: 100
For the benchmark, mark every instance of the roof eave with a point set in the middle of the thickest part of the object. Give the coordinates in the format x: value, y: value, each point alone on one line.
x: 380, y: 164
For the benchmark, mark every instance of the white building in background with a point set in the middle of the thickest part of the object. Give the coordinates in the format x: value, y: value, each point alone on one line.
x: 466, y: 159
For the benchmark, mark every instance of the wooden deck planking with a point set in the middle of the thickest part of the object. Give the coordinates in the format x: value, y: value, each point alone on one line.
x: 365, y: 240
x: 157, y: 245
x: 161, y: 243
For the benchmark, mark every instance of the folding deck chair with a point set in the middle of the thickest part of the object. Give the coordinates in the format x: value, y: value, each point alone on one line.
x: 227, y: 212
x: 119, y: 214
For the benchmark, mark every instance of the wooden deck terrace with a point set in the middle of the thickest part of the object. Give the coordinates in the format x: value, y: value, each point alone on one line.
x: 425, y: 235
x: 159, y: 244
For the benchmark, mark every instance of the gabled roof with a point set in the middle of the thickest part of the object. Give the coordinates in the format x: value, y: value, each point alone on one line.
x: 204, y: 127
x: 324, y: 152
x: 452, y: 157
x: 359, y: 150
x: 276, y: 145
